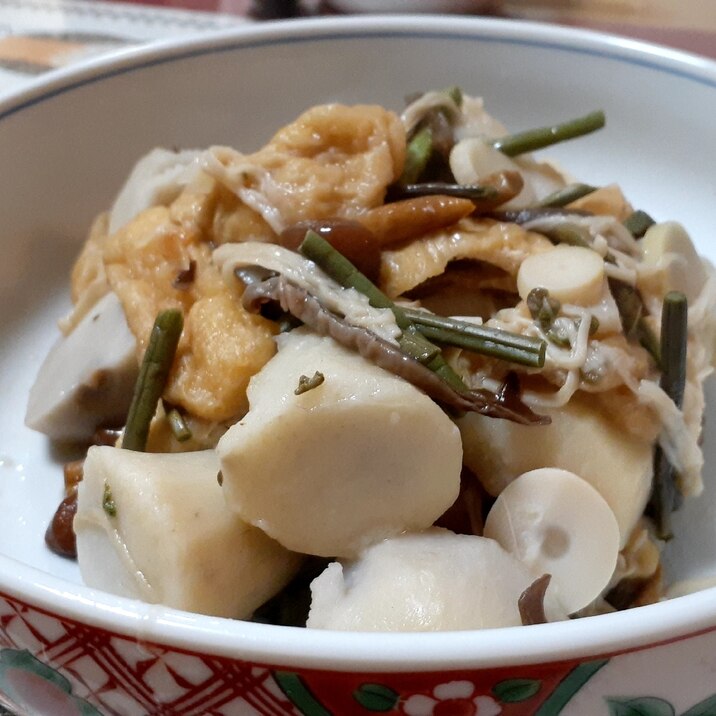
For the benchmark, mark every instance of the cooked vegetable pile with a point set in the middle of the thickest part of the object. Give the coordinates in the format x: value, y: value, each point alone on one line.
x: 386, y: 373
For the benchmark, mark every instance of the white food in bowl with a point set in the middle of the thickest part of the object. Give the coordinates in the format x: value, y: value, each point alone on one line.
x: 361, y: 457
x: 618, y: 465
x: 668, y: 243
x: 571, y: 274
x: 432, y: 581
x: 346, y: 436
x: 156, y: 180
x: 155, y: 527
x: 519, y: 50
x: 473, y: 159
x: 88, y: 376
x: 558, y: 524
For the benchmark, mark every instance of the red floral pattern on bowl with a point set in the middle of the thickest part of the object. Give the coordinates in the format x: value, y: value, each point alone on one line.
x: 82, y: 671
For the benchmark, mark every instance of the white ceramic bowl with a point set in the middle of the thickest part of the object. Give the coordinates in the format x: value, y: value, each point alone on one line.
x: 65, y: 146
x: 413, y: 6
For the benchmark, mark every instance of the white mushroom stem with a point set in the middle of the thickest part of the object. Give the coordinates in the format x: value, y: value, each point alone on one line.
x: 473, y: 159
x: 360, y: 457
x: 571, y: 274
x: 414, y: 113
x: 668, y: 246
x: 155, y: 527
x: 432, y: 581
x: 87, y: 378
x: 581, y: 439
x: 558, y: 524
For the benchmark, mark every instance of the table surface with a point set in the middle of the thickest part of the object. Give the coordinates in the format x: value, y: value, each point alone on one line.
x: 38, y: 36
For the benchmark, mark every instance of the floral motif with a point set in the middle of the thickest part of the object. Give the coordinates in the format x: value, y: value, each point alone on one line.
x: 37, y: 688
x: 454, y: 698
x: 121, y: 676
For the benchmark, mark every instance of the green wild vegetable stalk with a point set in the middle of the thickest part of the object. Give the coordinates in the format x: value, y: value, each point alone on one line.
x: 412, y: 342
x: 638, y: 223
x: 565, y: 196
x: 492, y: 342
x: 418, y: 152
x: 665, y: 497
x: 153, y: 374
x: 533, y: 139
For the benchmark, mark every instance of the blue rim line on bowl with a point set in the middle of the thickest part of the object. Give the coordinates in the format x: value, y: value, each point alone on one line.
x: 606, y: 634
x: 701, y: 69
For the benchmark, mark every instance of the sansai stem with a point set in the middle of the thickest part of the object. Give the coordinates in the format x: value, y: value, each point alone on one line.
x: 153, y: 374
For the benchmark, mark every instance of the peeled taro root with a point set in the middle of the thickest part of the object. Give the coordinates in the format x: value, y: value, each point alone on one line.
x: 154, y: 526
x: 87, y: 378
x: 361, y: 456
x: 580, y: 439
x: 430, y: 581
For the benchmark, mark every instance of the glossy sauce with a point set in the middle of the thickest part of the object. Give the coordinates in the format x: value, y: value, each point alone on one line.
x: 60, y: 534
x: 353, y: 240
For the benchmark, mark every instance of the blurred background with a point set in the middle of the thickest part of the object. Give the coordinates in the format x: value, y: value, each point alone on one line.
x: 681, y: 22
x: 39, y: 36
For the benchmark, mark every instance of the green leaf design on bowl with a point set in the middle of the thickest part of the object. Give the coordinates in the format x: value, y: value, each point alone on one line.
x: 707, y: 707
x: 376, y: 697
x: 14, y: 662
x: 652, y: 706
x: 299, y: 694
x: 569, y: 686
x: 12, y: 659
x: 645, y: 706
x: 512, y: 691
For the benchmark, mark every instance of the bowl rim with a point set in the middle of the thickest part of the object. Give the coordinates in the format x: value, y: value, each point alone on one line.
x: 348, y: 651
x: 680, y: 63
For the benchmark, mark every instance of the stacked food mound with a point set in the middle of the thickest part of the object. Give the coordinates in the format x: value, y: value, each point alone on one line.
x: 386, y: 373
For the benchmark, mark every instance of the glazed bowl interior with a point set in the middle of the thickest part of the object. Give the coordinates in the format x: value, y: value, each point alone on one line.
x: 67, y: 143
